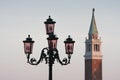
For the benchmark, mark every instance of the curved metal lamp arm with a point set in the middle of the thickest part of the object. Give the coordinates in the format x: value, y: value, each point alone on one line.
x: 43, y: 55
x: 65, y: 61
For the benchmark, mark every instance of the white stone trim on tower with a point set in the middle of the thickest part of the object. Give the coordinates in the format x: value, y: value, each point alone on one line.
x: 93, y: 56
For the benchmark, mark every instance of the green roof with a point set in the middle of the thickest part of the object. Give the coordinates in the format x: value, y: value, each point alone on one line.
x: 93, y: 27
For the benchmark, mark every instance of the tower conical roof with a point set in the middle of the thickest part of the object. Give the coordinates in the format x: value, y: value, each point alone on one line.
x: 93, y: 27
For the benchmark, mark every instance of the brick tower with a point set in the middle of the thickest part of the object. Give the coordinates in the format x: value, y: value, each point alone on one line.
x: 93, y: 54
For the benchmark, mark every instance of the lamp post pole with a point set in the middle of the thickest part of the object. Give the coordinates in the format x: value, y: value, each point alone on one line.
x: 50, y: 67
x: 50, y: 53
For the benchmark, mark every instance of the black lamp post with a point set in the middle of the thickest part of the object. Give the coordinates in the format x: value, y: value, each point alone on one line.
x: 50, y: 53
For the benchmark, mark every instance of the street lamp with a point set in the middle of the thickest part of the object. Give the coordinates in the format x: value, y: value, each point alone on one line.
x: 50, y: 53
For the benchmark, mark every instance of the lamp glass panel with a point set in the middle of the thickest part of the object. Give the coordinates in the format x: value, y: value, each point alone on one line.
x: 52, y: 44
x: 49, y: 28
x: 28, y: 47
x: 69, y: 48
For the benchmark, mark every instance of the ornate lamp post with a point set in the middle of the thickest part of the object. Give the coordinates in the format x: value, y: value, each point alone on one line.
x: 50, y: 53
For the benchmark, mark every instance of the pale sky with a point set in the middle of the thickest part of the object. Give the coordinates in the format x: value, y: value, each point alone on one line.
x: 18, y: 18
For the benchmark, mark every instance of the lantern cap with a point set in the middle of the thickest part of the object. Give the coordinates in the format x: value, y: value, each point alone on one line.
x: 52, y: 37
x: 28, y: 39
x: 69, y: 40
x: 93, y: 10
x: 49, y: 21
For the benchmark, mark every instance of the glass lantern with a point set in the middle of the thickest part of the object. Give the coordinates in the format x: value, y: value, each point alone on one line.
x: 49, y: 24
x: 28, y: 45
x: 69, y: 45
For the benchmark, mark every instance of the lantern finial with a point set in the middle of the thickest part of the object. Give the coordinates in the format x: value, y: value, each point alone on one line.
x: 49, y: 16
x: 28, y: 36
x: 93, y: 10
x: 68, y: 36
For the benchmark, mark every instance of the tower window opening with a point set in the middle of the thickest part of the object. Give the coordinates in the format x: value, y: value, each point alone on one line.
x: 96, y: 47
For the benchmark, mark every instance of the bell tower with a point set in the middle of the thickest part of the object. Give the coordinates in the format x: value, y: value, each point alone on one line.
x: 93, y: 54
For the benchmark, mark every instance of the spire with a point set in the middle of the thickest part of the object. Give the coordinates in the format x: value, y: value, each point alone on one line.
x: 93, y: 28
